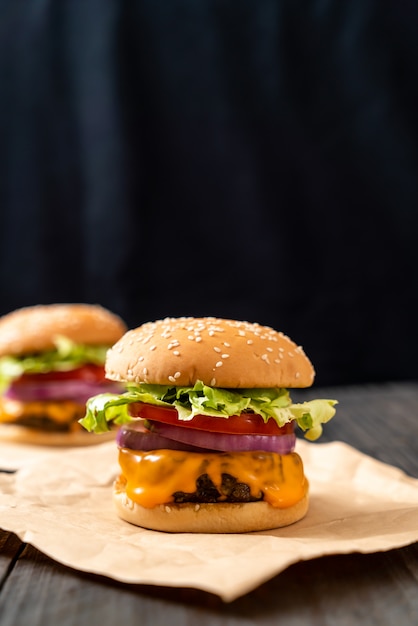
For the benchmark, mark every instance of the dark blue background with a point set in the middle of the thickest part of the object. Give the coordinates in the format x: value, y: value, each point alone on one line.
x: 254, y: 160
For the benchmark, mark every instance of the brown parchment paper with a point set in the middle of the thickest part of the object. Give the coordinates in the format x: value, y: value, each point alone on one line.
x: 14, y: 456
x: 61, y: 504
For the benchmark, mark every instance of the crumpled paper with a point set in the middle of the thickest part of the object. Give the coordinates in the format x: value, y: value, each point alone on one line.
x: 14, y: 456
x: 62, y: 505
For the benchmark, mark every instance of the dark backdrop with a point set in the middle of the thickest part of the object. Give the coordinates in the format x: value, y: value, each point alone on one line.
x: 247, y: 159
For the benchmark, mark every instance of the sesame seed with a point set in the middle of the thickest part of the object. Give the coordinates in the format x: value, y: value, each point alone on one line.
x: 213, y: 382
x: 277, y: 361
x: 171, y: 379
x: 196, y: 507
x: 176, y: 353
x: 225, y: 356
x: 128, y: 503
x: 141, y: 358
x: 241, y: 333
x: 152, y: 348
x: 218, y: 364
x: 217, y: 349
x: 198, y: 339
x: 297, y: 374
x: 281, y: 349
x: 130, y: 372
x: 177, y: 375
x: 269, y: 349
x: 167, y: 509
x: 190, y: 337
x: 226, y: 344
x: 291, y: 354
x: 265, y: 358
x: 250, y: 342
x: 145, y: 371
x: 211, y: 333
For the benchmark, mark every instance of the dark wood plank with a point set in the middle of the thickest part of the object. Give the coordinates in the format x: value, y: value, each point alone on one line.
x: 339, y: 590
x: 379, y: 420
x: 10, y: 548
x: 367, y: 589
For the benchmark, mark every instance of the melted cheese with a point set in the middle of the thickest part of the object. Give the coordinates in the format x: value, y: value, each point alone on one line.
x: 62, y: 412
x: 151, y: 478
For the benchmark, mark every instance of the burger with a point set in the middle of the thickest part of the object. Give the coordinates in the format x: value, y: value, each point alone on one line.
x: 206, y: 426
x: 51, y: 361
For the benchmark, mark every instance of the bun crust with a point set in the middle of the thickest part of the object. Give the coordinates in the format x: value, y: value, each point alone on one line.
x: 219, y: 352
x: 208, y: 518
x: 13, y: 433
x: 32, y: 329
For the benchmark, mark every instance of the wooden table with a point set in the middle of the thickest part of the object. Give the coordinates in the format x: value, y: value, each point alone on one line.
x: 381, y: 588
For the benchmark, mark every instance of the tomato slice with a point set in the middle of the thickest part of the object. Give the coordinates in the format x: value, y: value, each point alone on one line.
x: 87, y: 373
x: 244, y: 424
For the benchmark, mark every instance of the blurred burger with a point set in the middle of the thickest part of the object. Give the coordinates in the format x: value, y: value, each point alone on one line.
x: 207, y: 435
x: 51, y: 361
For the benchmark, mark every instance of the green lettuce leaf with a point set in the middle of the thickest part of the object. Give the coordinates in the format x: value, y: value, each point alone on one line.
x: 66, y: 356
x: 204, y: 400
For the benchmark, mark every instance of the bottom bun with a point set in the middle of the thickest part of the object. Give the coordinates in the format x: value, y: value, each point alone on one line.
x: 13, y: 433
x: 208, y: 518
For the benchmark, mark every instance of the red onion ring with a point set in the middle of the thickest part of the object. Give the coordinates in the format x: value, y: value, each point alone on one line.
x: 136, y: 437
x: 222, y: 442
x: 78, y: 390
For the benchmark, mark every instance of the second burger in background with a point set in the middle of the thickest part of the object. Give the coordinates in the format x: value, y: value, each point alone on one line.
x: 207, y: 441
x: 51, y: 361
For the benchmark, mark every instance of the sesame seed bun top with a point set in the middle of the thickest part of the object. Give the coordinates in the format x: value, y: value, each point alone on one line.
x: 33, y: 329
x: 219, y: 352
